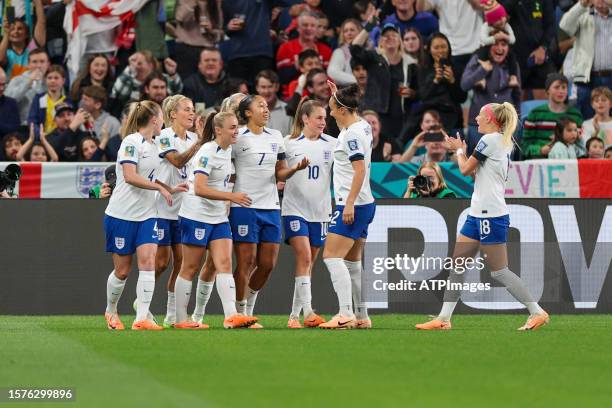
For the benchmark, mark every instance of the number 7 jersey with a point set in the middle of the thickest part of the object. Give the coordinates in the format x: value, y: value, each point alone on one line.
x: 255, y: 158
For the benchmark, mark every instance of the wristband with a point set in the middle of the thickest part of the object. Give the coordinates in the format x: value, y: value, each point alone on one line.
x: 460, y: 151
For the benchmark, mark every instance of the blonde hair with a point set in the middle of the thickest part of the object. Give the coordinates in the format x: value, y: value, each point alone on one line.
x: 507, y: 119
x: 438, y: 170
x: 230, y: 104
x: 171, y: 104
x: 355, y: 22
x: 139, y: 115
x: 306, y: 107
x: 213, y: 120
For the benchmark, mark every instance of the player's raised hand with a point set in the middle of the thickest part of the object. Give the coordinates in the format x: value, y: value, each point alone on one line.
x: 199, y: 128
x: 454, y: 143
x: 332, y: 86
x: 241, y: 199
x: 302, y: 164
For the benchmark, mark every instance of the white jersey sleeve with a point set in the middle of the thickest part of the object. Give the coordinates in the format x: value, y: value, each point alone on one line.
x: 354, y: 143
x: 214, y: 162
x: 255, y: 157
x: 168, y: 142
x: 491, y: 175
x: 307, y: 193
x: 128, y: 202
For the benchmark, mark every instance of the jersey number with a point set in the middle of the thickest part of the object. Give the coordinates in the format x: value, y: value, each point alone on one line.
x: 485, y: 227
x: 151, y: 175
x: 334, y: 217
x: 183, y: 172
x: 261, y: 160
x: 313, y: 172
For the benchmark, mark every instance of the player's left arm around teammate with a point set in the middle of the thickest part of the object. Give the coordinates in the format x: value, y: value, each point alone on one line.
x: 284, y: 172
x: 348, y: 214
x: 179, y: 160
x: 179, y: 188
x: 466, y: 165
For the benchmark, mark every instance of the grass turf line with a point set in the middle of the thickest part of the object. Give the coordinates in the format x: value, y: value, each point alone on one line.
x: 483, y: 360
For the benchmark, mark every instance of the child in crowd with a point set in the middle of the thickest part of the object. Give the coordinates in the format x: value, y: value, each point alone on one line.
x: 566, y: 144
x: 599, y: 125
x: 307, y: 60
x: 595, y: 148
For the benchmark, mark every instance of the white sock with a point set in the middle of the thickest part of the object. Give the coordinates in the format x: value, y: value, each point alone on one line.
x: 144, y: 293
x: 451, y: 297
x: 251, y: 299
x: 241, y: 306
x: 171, y: 308
x: 341, y: 280
x: 361, y: 309
x: 447, y: 311
x: 226, y: 287
x: 182, y: 292
x: 302, y: 283
x: 114, y: 289
x: 203, y: 291
x: 296, y: 306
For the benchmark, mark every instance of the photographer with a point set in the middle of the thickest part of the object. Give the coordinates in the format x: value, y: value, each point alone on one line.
x: 8, y: 179
x: 428, y: 182
x: 105, y: 189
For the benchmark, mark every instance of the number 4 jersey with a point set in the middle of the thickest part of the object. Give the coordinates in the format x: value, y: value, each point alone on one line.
x: 168, y: 142
x: 255, y: 157
x: 127, y: 202
x: 307, y: 193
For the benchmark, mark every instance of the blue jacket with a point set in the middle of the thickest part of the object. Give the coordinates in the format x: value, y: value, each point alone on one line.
x: 9, y: 115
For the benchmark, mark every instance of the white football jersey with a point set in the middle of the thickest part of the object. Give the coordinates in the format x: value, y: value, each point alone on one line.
x: 128, y: 202
x: 168, y: 142
x: 491, y: 175
x: 354, y: 142
x: 216, y: 163
x: 255, y: 158
x: 307, y: 193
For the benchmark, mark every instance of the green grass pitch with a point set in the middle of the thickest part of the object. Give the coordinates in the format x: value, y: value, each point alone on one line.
x: 483, y: 361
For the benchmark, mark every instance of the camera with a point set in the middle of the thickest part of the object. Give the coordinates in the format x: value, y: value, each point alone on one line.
x: 9, y: 177
x: 422, y: 184
x: 110, y: 176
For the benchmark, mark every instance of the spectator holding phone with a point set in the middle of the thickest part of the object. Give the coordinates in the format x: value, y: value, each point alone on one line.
x: 16, y: 42
x: 431, y: 137
x: 429, y: 183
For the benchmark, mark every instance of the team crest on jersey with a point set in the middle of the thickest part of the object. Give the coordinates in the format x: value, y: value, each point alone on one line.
x: 119, y: 242
x: 243, y: 230
x: 481, y: 146
x: 165, y: 143
x: 199, y: 233
x: 327, y: 155
x: 130, y: 151
x: 274, y: 147
x: 203, y: 161
x: 160, y: 234
x: 294, y: 225
x: 353, y: 145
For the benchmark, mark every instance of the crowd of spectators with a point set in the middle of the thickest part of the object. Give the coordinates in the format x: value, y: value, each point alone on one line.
x: 425, y: 69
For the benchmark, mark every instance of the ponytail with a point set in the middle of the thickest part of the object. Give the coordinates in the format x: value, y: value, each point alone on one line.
x: 507, y: 118
x: 306, y: 107
x: 139, y: 115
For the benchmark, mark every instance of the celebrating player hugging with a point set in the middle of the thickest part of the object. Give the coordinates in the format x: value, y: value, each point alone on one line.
x: 487, y: 224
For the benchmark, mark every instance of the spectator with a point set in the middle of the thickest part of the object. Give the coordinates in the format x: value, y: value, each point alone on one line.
x: 361, y: 75
x: 296, y: 10
x: 27, y: 85
x: 595, y: 148
x: 66, y: 136
x: 235, y: 85
x: 267, y: 85
x: 434, y: 186
x: 413, y: 45
x: 601, y: 124
x: 91, y: 149
x: 533, y: 22
x: 37, y: 151
x: 307, y: 60
x: 287, y: 55
x: 566, y: 144
x: 608, y: 153
x: 16, y: 42
x: 155, y: 88
x: 326, y: 35
x: 391, y: 78
x: 591, y: 22
x: 537, y: 132
x: 198, y: 25
x: 97, y: 72
x: 43, y: 105
x: 339, y: 69
x: 56, y: 35
x: 114, y: 142
x: 365, y: 11
x: 435, y: 151
x: 316, y: 85
x: 249, y: 48
x: 384, y: 149
x: 405, y: 17
x: 11, y: 144
x: 439, y: 87
x: 206, y: 85
x: 128, y: 85
x: 460, y: 22
x: 93, y: 102
x: 496, y: 71
x: 9, y: 112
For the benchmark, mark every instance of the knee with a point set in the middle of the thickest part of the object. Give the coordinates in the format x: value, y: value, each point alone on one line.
x: 177, y: 261
x: 303, y: 261
x: 247, y: 263
x: 122, y: 272
x: 222, y: 265
x: 146, y: 264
